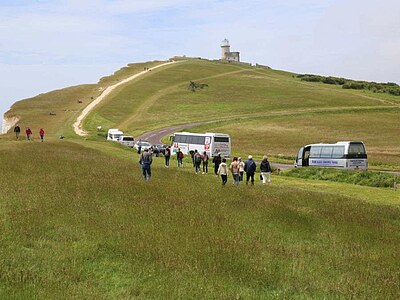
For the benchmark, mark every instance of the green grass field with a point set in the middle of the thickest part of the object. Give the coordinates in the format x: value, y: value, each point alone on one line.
x: 81, y: 223
x: 78, y: 221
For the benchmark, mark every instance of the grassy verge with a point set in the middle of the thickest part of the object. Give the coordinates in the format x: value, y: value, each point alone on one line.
x: 373, y: 179
x: 80, y: 223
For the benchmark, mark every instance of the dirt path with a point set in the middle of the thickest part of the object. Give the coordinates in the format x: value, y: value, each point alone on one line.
x: 78, y: 123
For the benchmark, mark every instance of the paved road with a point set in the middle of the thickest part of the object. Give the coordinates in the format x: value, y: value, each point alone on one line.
x: 154, y: 137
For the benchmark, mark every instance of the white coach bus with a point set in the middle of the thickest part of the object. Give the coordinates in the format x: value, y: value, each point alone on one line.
x: 342, y: 155
x: 212, y: 143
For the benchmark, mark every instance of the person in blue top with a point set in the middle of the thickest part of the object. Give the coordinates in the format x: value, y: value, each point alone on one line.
x: 250, y: 168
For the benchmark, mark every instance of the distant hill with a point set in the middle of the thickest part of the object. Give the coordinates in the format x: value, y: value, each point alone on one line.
x: 265, y: 110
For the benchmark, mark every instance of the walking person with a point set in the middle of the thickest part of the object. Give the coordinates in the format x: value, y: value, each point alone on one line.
x: 179, y: 156
x: 250, y: 168
x: 139, y: 146
x: 17, y: 131
x: 197, y: 161
x: 265, y: 168
x: 192, y: 156
x: 145, y: 161
x: 241, y: 168
x: 41, y: 133
x: 167, y: 156
x: 234, y: 167
x: 205, y: 162
x: 223, y: 171
x: 28, y: 133
x: 216, y: 161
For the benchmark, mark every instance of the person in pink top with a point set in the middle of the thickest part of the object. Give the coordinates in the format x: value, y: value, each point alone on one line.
x: 28, y: 132
x: 41, y: 133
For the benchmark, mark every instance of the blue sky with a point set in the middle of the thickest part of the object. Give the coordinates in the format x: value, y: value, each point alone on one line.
x: 46, y: 45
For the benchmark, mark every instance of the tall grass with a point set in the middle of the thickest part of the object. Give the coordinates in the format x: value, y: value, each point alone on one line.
x: 374, y: 179
x: 78, y: 223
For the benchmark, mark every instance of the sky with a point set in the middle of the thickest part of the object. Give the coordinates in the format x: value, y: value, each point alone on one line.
x: 51, y: 44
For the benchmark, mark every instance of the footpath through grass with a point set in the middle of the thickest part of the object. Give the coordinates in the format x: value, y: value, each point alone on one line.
x: 79, y: 223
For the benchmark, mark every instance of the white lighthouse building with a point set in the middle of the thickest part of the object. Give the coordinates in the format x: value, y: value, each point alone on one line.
x: 226, y: 53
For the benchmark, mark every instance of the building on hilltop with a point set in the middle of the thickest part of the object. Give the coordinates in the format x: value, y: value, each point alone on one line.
x: 226, y: 53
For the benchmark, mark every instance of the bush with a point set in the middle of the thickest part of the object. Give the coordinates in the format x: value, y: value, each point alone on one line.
x: 390, y: 87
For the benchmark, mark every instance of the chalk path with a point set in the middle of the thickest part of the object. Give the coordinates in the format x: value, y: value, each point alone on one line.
x: 78, y: 123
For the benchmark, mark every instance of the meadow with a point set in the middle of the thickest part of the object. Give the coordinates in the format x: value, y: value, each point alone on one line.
x: 81, y: 223
x: 78, y: 221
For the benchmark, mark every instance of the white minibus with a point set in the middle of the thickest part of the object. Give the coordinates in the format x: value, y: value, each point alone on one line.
x: 128, y: 141
x: 114, y: 134
x: 341, y: 155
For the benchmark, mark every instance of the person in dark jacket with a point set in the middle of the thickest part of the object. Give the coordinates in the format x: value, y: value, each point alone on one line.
x: 216, y: 161
x: 265, y: 168
x: 250, y: 167
x: 167, y: 156
x: 145, y: 161
x: 197, y: 161
x: 179, y: 157
x: 17, y: 131
x: 204, y: 158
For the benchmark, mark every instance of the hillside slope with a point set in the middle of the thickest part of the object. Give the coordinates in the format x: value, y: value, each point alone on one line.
x: 266, y: 111
x: 78, y: 221
x: 81, y: 223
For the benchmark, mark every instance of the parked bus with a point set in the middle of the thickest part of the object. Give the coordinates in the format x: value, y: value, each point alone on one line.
x: 342, y: 155
x: 212, y: 143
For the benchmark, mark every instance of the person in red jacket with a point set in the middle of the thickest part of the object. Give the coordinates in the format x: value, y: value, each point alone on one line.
x: 41, y: 133
x: 28, y: 132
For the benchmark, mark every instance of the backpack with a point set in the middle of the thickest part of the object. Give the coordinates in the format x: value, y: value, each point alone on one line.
x: 197, y: 158
x: 180, y: 154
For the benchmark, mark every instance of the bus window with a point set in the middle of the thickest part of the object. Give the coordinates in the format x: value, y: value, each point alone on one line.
x: 198, y: 140
x: 338, y: 152
x: 315, y: 152
x: 221, y: 139
x: 300, y: 154
x: 356, y: 150
x: 326, y: 152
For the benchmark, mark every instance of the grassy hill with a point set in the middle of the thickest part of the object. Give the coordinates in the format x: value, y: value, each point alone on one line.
x: 78, y: 221
x: 266, y: 111
x: 81, y: 223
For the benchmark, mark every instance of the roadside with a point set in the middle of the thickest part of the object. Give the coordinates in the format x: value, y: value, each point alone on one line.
x: 155, y: 137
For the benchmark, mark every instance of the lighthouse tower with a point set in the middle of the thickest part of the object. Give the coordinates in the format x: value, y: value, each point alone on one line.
x: 226, y: 53
x: 225, y: 49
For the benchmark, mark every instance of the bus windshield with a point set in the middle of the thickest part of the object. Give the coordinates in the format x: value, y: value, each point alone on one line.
x: 357, y: 150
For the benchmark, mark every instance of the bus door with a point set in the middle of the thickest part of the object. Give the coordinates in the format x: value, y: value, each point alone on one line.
x: 306, y: 157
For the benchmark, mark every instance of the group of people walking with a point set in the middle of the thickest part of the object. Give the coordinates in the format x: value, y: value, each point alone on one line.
x: 237, y: 167
x: 28, y: 132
